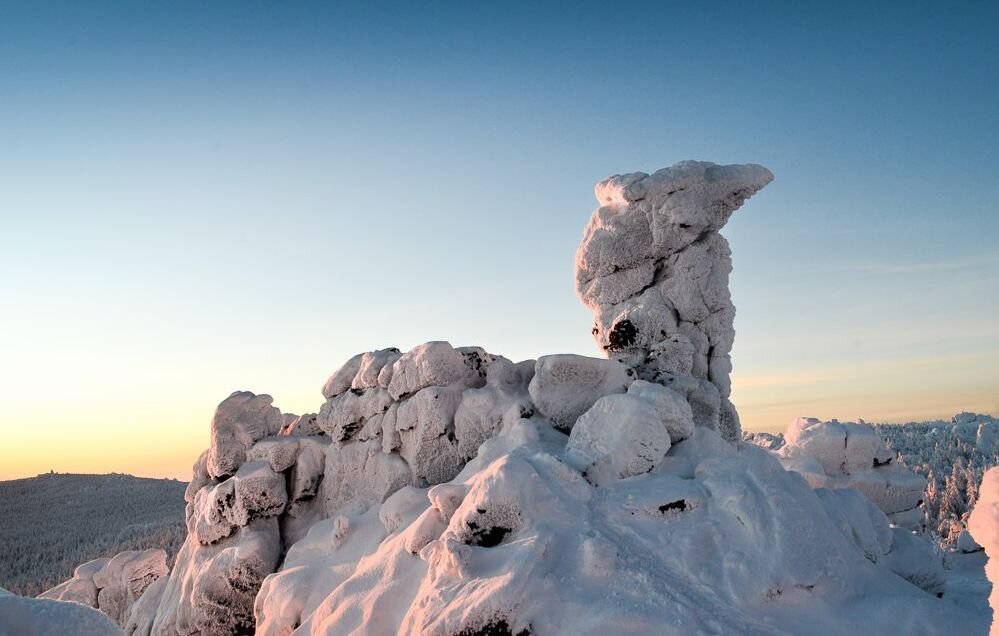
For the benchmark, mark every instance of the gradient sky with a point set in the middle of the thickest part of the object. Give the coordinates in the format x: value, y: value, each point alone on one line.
x: 202, y: 197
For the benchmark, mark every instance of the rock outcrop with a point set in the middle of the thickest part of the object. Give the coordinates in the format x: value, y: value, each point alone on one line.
x: 851, y: 455
x: 113, y: 586
x: 449, y: 491
x: 654, y: 270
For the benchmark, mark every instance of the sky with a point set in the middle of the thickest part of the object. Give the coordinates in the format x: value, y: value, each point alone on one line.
x: 197, y: 198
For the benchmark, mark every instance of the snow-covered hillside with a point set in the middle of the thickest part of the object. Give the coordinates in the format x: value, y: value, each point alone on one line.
x: 51, y: 523
x: 449, y: 491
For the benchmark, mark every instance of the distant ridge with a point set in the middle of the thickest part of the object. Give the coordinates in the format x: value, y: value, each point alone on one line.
x: 51, y: 523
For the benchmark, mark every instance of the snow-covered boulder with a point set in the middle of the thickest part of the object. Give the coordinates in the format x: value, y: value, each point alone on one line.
x: 114, y: 585
x: 212, y: 588
x: 81, y: 588
x: 125, y: 578
x: 673, y: 410
x: 143, y: 612
x: 363, y: 473
x: 481, y: 412
x: 769, y: 441
x: 278, y: 451
x: 429, y: 364
x: 564, y: 386
x: 619, y: 436
x: 302, y: 425
x: 850, y: 455
x: 240, y: 420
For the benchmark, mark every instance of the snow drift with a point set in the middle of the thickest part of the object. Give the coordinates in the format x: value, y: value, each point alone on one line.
x: 21, y: 616
x: 449, y: 491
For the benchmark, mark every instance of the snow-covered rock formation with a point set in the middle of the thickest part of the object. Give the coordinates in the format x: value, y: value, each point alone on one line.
x: 852, y: 455
x: 983, y: 524
x: 451, y: 492
x: 654, y: 270
x: 390, y: 420
x: 114, y: 585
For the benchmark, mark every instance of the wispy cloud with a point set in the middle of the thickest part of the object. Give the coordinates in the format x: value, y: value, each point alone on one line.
x: 963, y: 262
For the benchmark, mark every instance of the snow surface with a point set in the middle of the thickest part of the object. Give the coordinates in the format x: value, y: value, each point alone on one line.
x: 21, y: 616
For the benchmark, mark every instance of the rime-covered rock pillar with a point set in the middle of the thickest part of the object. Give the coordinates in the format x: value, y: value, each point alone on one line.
x: 654, y: 270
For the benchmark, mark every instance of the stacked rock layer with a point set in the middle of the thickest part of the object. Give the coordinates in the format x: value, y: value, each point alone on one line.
x: 654, y: 270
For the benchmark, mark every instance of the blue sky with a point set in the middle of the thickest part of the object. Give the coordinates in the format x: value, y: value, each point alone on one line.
x: 197, y: 198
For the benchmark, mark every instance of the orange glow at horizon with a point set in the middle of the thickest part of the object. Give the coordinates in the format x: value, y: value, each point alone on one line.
x: 149, y: 436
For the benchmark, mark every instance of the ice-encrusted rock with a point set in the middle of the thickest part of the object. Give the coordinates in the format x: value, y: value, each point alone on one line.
x: 302, y: 426
x: 654, y: 269
x: 850, y: 455
x: 619, y: 436
x: 481, y: 411
x: 671, y: 407
x: 427, y: 441
x: 259, y: 493
x: 769, y: 441
x: 279, y: 451
x: 407, y: 404
x: 125, y: 578
x: 143, y: 612
x: 841, y: 447
x: 211, y: 588
x: 361, y: 472
x: 343, y: 377
x: 371, y: 367
x: 114, y: 585
x: 429, y: 364
x: 254, y: 492
x: 307, y: 472
x: 983, y: 524
x: 566, y: 385
x: 81, y: 588
x: 240, y: 420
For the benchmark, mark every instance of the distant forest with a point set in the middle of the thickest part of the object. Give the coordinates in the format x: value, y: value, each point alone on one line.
x: 54, y: 522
